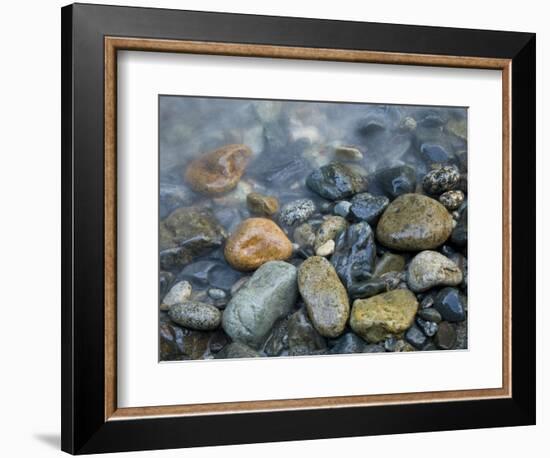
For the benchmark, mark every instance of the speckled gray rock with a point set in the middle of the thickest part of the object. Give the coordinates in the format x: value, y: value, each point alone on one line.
x: 237, y: 350
x: 325, y: 297
x: 451, y: 200
x: 269, y: 295
x: 303, y: 338
x: 195, y: 315
x: 441, y: 179
x: 337, y: 181
x: 180, y: 292
x: 296, y: 211
x: 366, y: 207
x: 429, y: 269
x: 414, y: 222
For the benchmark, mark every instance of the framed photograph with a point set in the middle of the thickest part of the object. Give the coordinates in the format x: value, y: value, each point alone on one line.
x: 283, y: 228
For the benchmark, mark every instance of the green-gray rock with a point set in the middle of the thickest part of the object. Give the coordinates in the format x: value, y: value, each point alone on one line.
x: 383, y: 315
x: 429, y: 269
x: 326, y: 298
x: 389, y: 262
x: 269, y: 295
x: 414, y: 222
x: 195, y: 315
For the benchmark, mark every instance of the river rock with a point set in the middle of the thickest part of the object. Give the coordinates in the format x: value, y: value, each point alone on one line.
x: 180, y: 292
x: 261, y: 205
x: 277, y: 342
x: 348, y: 153
x: 304, y: 235
x: 451, y: 200
x: 178, y: 343
x: 414, y: 222
x: 268, y: 296
x: 218, y: 171
x: 186, y: 233
x: 326, y: 249
x: 330, y: 228
x: 165, y: 279
x: 237, y: 350
x: 415, y: 337
x: 172, y: 196
x: 303, y: 338
x: 325, y: 297
x: 389, y: 262
x: 296, y: 211
x: 383, y: 315
x: 337, y: 181
x: 398, y: 180
x: 451, y: 304
x: 459, y: 235
x: 342, y: 208
x: 351, y: 343
x: 366, y: 207
x: 430, y: 314
x: 446, y: 336
x: 354, y: 254
x: 429, y: 328
x: 441, y: 179
x: 255, y: 242
x: 429, y: 269
x: 375, y: 285
x: 199, y: 316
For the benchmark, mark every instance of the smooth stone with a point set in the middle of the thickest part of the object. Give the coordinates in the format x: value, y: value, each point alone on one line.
x: 414, y: 222
x: 458, y: 127
x: 303, y: 338
x: 427, y: 301
x: 236, y: 197
x: 429, y: 328
x: 172, y: 196
x: 451, y: 304
x: 304, y: 235
x: 441, y: 179
x: 446, y: 336
x: 180, y: 292
x: 374, y: 286
x: 280, y: 175
x: 389, y: 262
x: 195, y: 315
x: 434, y: 154
x: 262, y: 205
x: 296, y: 211
x: 268, y: 296
x: 430, y: 314
x: 459, y: 236
x: 218, y: 171
x: 407, y: 124
x: 210, y: 272
x: 326, y: 249
x: 396, y: 181
x: 337, y: 181
x: 327, y: 207
x: 366, y: 207
x: 186, y: 233
x: 217, y: 294
x: 451, y: 200
x: 383, y: 315
x: 330, y: 228
x: 237, y: 350
x: 218, y: 340
x: 277, y: 342
x: 351, y: 343
x: 238, y: 285
x: 255, y: 242
x: 325, y: 297
x: 178, y: 343
x: 416, y: 337
x: 348, y: 153
x: 429, y: 269
x: 355, y: 254
x: 342, y: 208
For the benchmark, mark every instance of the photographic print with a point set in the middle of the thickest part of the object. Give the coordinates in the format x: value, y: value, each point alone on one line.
x: 308, y: 228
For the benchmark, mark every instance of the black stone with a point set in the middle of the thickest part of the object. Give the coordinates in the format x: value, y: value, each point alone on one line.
x: 446, y: 336
x: 366, y: 207
x: 451, y: 304
x: 430, y: 314
x: 303, y: 338
x: 459, y: 236
x: 416, y: 337
x: 337, y: 181
x: 395, y: 181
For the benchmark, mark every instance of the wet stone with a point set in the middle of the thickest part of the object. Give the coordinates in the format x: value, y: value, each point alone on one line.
x: 342, y: 208
x: 355, y: 254
x: 430, y: 314
x: 441, y: 179
x: 351, y: 343
x: 389, y: 262
x: 303, y: 338
x: 262, y: 205
x: 178, y: 343
x: 415, y: 337
x: 237, y: 350
x: 451, y: 200
x: 195, y: 315
x: 165, y: 279
x: 446, y: 336
x: 180, y: 292
x: 277, y: 341
x: 429, y: 269
x: 451, y: 304
x: 304, y: 235
x: 337, y: 181
x: 459, y: 235
x: 348, y: 153
x: 330, y: 228
x: 396, y: 181
x: 429, y: 328
x: 414, y: 222
x: 172, y: 196
x: 434, y: 154
x: 374, y: 286
x: 296, y: 211
x: 366, y: 207
x: 326, y: 249
x: 218, y: 340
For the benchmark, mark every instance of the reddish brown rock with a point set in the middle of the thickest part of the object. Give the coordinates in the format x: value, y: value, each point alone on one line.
x: 218, y: 171
x: 255, y: 242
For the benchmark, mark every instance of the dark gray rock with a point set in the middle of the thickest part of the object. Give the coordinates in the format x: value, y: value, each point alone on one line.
x: 429, y: 328
x: 351, y: 343
x: 337, y: 181
x: 237, y: 350
x: 374, y: 286
x: 165, y: 280
x: 342, y: 208
x: 177, y: 343
x: 416, y: 337
x: 459, y: 236
x: 303, y: 338
x: 451, y: 304
x: 366, y: 207
x: 446, y: 336
x: 430, y: 314
x: 398, y: 180
x: 434, y: 154
x: 277, y: 341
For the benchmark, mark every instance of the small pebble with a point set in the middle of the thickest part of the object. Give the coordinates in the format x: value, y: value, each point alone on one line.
x: 428, y: 327
x: 217, y: 294
x: 342, y: 208
x: 326, y: 249
x: 441, y: 179
x: 179, y: 293
x: 451, y: 200
x: 348, y: 153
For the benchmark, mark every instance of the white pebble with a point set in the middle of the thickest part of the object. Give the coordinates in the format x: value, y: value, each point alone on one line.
x: 326, y: 249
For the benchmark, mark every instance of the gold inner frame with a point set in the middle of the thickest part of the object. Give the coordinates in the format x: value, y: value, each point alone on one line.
x: 114, y: 44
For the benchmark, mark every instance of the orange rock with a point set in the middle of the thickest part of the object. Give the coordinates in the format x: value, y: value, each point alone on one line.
x: 255, y: 242
x: 218, y: 171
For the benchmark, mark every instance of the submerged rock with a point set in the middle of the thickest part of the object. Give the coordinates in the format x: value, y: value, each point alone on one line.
x: 218, y: 171
x: 398, y: 180
x: 330, y: 228
x: 296, y: 211
x: 414, y: 222
x: 268, y: 296
x: 366, y: 207
x: 178, y: 343
x: 186, y: 233
x: 179, y: 293
x: 325, y: 297
x: 262, y: 205
x: 303, y: 338
x: 429, y: 269
x: 255, y: 242
x: 173, y: 196
x: 348, y: 153
x: 304, y: 235
x: 237, y: 350
x: 354, y: 254
x: 337, y: 180
x: 383, y: 315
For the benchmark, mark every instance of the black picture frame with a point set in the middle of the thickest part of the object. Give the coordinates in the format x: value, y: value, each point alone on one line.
x: 84, y: 428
